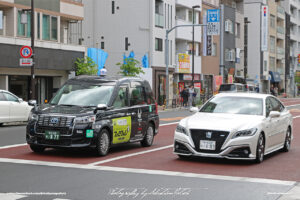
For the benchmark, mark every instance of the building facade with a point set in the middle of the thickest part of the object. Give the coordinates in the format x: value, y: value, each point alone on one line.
x: 267, y: 35
x: 184, y: 45
x: 123, y: 26
x: 57, y: 37
x: 292, y: 8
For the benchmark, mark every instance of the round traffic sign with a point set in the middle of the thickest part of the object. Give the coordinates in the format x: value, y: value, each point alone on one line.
x: 26, y: 52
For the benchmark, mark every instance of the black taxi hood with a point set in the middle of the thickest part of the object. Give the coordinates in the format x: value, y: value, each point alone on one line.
x: 64, y: 109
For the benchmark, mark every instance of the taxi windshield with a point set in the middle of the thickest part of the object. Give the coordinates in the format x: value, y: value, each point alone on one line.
x: 85, y: 95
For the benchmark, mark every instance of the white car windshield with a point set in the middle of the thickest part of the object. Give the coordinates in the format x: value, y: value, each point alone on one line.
x: 234, y: 105
x: 87, y: 95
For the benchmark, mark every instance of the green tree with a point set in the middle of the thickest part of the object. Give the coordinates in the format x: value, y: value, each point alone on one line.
x: 130, y: 68
x: 85, y: 66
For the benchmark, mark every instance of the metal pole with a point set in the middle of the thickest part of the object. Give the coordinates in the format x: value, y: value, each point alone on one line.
x: 167, y: 57
x: 32, y: 92
x: 167, y: 69
x: 222, y: 43
x: 193, y: 48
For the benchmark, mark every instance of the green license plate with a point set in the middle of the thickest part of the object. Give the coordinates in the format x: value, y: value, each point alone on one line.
x: 52, y: 135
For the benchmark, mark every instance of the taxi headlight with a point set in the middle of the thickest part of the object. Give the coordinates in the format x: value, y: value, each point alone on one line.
x: 248, y: 132
x: 181, y: 129
x: 33, y: 117
x: 85, y: 119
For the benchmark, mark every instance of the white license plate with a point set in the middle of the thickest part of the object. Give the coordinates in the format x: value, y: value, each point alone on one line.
x: 207, y: 145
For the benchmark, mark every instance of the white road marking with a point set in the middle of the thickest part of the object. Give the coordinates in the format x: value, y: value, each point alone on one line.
x: 14, y: 145
x: 172, y: 123
x: 130, y: 155
x: 147, y: 171
x: 11, y: 196
x: 296, y: 117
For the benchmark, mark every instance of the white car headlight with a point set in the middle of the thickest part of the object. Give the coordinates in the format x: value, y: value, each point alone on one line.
x: 33, y: 117
x: 85, y: 119
x: 181, y: 129
x: 248, y: 132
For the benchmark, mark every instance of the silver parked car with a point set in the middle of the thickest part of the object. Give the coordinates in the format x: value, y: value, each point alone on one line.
x: 13, y: 109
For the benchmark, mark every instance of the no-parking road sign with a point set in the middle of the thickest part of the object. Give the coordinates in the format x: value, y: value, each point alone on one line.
x: 26, y: 52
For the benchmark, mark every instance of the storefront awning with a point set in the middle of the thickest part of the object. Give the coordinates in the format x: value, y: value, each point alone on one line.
x: 275, y: 77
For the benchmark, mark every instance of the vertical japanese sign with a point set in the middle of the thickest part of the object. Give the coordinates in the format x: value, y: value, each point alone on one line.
x: 230, y: 79
x: 264, y: 28
x: 218, y: 81
x: 184, y: 63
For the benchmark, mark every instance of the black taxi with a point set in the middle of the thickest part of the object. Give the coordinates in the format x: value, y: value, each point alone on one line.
x: 92, y: 111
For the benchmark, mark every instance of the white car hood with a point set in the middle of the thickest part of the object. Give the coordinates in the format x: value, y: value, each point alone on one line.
x: 220, y: 121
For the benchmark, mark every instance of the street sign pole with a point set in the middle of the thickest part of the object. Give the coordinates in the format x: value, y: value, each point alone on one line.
x: 32, y: 91
x: 167, y: 56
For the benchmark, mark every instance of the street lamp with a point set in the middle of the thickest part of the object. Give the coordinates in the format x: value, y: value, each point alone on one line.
x: 193, y: 46
x: 246, y: 22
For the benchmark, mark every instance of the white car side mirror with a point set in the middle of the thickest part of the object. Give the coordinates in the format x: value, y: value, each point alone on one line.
x: 20, y: 100
x: 274, y: 114
x: 194, y: 109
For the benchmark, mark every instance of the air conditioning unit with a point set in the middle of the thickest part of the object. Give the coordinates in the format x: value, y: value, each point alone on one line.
x: 232, y: 55
x: 227, y: 26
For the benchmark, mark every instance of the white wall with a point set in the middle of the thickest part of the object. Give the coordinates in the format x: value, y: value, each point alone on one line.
x: 252, y: 11
x: 4, y: 82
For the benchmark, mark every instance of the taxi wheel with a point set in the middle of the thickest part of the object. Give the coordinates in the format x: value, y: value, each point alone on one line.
x: 287, y: 142
x: 148, y: 139
x: 1, y: 124
x: 260, y: 149
x: 103, y: 143
x: 37, y: 149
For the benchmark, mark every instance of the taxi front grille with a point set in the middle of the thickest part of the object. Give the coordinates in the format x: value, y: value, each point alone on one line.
x: 218, y: 136
x: 55, y: 121
x: 61, y: 130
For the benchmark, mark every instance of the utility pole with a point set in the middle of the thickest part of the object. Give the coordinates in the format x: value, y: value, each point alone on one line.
x: 193, y: 46
x: 32, y: 92
x: 246, y: 22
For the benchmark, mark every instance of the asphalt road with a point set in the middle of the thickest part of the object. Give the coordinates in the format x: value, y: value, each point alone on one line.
x: 132, y: 172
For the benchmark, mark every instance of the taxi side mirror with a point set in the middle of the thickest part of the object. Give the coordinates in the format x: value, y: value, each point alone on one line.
x: 100, y: 107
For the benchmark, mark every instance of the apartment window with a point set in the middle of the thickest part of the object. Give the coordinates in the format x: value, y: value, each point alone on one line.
x: 214, y: 49
x: 49, y: 28
x: 126, y: 43
x: 102, y: 45
x: 190, y: 16
x: 165, y: 15
x: 238, y: 30
x: 272, y: 21
x: 168, y: 16
x: 24, y: 29
x: 272, y: 63
x: 158, y: 44
x: 272, y: 44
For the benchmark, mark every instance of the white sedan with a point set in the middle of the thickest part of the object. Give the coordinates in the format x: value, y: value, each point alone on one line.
x: 13, y: 109
x: 235, y: 126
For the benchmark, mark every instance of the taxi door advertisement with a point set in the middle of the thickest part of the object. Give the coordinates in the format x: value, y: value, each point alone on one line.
x: 121, y: 129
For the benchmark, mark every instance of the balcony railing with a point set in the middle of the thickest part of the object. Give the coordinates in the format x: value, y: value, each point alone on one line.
x: 280, y: 10
x: 159, y: 20
x: 280, y: 51
x: 280, y: 30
